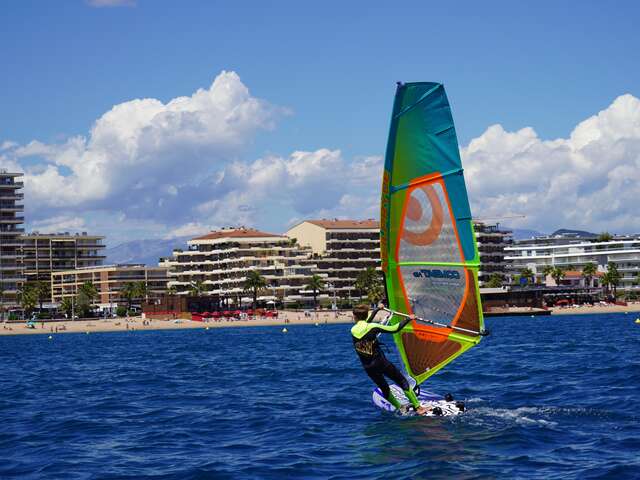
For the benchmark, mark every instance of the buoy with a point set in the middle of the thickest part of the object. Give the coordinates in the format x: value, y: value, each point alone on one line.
x: 637, y: 320
x: 87, y: 333
x: 532, y: 316
x: 207, y: 328
x: 50, y: 337
x: 317, y: 324
x: 284, y: 330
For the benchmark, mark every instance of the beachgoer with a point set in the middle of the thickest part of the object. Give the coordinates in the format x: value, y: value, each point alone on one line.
x: 365, y: 341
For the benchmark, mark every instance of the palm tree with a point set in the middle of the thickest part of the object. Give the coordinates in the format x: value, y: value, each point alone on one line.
x: 28, y: 298
x: 67, y: 306
x: 254, y: 283
x: 527, y: 274
x: 172, y: 290
x: 557, y: 275
x: 196, y: 288
x: 588, y: 272
x: 604, y: 237
x: 547, y: 270
x: 376, y: 292
x: 495, y: 281
x: 43, y: 292
x: 606, y: 282
x: 614, y: 277
x: 87, y: 293
x: 365, y: 280
x: 142, y: 290
x: 129, y: 292
x: 316, y: 284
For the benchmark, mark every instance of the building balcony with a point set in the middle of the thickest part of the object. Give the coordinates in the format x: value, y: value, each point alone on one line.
x: 8, y: 195
x: 14, y: 185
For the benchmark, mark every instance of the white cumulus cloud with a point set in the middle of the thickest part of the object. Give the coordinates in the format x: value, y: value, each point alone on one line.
x: 590, y: 180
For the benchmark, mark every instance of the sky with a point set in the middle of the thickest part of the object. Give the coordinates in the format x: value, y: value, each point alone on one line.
x: 159, y: 119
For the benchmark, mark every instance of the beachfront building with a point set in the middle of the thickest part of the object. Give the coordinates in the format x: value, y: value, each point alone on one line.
x: 11, y: 229
x: 44, y: 253
x: 572, y: 254
x: 218, y: 262
x: 341, y: 249
x: 492, y: 241
x: 109, y: 281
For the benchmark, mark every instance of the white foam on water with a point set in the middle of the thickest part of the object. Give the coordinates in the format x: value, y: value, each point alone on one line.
x: 525, y: 416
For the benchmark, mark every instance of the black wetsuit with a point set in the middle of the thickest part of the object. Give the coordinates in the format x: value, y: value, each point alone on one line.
x: 377, y: 366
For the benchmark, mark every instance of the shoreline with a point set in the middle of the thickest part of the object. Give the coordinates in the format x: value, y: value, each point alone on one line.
x: 285, y: 319
x: 133, y: 324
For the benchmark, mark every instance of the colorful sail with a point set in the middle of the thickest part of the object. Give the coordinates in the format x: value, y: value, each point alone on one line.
x: 428, y: 248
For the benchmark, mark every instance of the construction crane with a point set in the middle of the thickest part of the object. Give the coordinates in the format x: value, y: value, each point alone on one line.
x: 499, y: 218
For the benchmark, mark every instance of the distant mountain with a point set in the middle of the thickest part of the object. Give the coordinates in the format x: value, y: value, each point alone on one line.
x: 143, y: 251
x: 574, y: 233
x: 524, y: 234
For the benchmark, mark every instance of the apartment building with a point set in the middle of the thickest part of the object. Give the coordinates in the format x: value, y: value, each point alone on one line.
x: 491, y: 244
x: 574, y: 253
x: 221, y: 260
x: 109, y: 280
x: 11, y: 229
x: 44, y: 253
x: 341, y: 249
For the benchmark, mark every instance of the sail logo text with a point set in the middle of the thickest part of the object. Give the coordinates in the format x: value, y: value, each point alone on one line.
x: 436, y: 273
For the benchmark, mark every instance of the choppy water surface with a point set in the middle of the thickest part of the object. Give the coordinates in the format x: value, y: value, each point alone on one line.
x: 549, y: 397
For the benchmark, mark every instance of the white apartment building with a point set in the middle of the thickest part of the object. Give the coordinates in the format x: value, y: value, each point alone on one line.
x: 341, y: 248
x: 221, y: 260
x: 575, y: 254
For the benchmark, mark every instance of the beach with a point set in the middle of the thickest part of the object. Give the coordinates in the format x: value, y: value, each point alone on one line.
x: 629, y: 308
x: 285, y: 318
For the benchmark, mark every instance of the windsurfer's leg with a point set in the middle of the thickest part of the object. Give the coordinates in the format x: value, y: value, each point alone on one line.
x: 375, y: 374
x: 391, y: 371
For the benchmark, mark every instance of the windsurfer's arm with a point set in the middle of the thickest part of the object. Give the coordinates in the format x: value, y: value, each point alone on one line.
x: 395, y: 328
x: 375, y: 312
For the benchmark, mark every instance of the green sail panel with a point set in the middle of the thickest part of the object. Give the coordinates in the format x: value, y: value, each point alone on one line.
x: 427, y: 243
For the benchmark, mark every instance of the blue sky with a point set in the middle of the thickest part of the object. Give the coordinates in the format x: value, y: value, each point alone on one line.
x: 327, y: 72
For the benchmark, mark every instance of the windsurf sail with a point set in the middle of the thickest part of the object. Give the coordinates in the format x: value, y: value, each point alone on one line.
x: 427, y: 243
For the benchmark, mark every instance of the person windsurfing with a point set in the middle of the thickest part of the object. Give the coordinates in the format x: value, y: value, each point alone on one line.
x: 365, y: 342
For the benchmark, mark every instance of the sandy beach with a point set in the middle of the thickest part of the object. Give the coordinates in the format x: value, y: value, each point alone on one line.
x: 629, y: 308
x: 285, y: 318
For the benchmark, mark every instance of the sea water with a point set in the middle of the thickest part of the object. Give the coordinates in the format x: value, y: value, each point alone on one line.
x: 549, y: 397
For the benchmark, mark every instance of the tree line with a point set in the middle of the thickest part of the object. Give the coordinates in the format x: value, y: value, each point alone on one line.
x: 34, y: 294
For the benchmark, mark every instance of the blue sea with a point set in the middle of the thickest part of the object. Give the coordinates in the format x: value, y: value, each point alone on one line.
x: 548, y: 397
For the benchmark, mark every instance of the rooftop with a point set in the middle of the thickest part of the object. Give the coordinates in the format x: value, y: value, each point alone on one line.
x: 241, y: 232
x: 337, y: 224
x: 61, y: 234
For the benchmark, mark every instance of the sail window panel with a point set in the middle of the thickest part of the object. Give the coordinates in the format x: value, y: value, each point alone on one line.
x: 428, y: 232
x: 433, y: 293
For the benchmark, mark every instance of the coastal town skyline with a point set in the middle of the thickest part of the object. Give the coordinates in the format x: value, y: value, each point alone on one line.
x: 224, y: 140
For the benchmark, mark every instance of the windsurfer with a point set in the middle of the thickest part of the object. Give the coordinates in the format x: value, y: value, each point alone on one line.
x: 365, y: 341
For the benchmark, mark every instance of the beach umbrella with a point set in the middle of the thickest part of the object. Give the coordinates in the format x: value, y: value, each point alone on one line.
x: 215, y: 314
x: 226, y: 313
